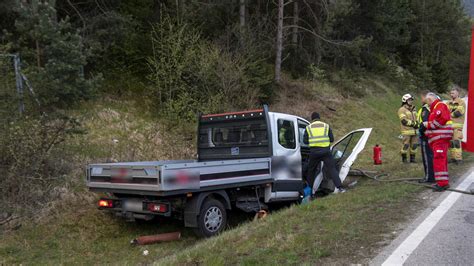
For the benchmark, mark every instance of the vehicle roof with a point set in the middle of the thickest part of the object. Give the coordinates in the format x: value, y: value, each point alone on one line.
x: 290, y: 115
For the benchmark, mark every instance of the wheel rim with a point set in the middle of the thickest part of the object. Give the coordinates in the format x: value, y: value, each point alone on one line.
x: 213, y: 219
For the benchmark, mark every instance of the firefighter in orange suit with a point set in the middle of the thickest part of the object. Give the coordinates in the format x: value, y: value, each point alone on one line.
x: 457, y: 107
x: 409, y: 126
x: 439, y: 131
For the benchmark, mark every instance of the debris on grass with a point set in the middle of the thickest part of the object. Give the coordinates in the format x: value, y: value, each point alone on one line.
x: 147, y: 240
x: 261, y: 214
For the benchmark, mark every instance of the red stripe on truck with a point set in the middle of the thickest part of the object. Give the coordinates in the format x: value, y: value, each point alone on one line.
x: 233, y: 113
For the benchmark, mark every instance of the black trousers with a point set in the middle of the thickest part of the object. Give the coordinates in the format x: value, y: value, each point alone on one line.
x: 427, y: 155
x: 318, y: 155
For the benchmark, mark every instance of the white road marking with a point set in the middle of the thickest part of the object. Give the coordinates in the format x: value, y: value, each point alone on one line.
x: 401, y: 254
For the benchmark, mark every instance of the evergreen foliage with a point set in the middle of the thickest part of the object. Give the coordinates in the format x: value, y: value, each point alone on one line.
x: 65, y: 45
x: 53, y: 54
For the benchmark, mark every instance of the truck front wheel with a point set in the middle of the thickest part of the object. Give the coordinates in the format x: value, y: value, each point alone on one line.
x: 212, y: 218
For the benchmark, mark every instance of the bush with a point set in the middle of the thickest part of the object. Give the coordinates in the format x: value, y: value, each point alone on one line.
x: 191, y: 75
x: 34, y: 163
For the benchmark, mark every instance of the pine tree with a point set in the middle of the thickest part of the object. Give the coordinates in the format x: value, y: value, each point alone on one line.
x: 53, y: 53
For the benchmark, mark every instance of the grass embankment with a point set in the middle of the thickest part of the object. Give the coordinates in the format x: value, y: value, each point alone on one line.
x: 340, y: 228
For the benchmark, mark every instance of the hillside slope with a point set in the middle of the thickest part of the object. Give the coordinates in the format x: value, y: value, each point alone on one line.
x: 342, y: 228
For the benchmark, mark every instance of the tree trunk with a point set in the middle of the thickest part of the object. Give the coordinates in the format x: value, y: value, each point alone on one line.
x: 38, y: 53
x: 294, y: 35
x: 438, y: 52
x: 279, y: 42
x: 422, y: 53
x: 242, y: 15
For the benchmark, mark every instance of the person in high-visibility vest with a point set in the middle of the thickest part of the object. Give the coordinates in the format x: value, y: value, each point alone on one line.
x: 439, y: 131
x: 319, y: 137
x: 426, y: 152
x: 457, y: 107
x: 408, y: 128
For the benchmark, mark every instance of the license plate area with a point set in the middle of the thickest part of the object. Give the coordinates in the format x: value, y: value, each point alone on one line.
x: 132, y: 205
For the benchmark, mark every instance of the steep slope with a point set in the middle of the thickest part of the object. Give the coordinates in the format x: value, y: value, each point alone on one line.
x: 342, y: 228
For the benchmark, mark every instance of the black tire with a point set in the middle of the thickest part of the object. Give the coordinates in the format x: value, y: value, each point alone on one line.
x: 212, y: 218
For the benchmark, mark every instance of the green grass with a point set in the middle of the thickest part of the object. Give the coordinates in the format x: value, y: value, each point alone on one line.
x: 86, y: 236
x: 323, y: 229
x: 327, y: 229
x: 336, y: 229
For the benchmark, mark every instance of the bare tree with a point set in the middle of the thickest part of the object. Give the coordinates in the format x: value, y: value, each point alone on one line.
x: 279, y: 41
x: 294, y: 33
x: 242, y: 14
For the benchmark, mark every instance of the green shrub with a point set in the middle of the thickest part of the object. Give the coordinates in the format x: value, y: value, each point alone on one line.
x: 191, y: 75
x: 34, y: 163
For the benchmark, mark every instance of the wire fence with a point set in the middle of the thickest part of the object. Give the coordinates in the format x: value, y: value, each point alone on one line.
x: 9, y: 98
x: 12, y: 88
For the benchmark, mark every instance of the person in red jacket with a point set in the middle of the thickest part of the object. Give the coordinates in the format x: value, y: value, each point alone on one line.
x: 439, y: 130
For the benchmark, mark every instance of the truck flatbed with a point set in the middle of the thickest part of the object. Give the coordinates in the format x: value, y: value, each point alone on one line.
x: 165, y: 178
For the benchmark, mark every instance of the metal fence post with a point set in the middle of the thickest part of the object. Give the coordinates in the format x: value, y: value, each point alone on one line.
x: 19, y: 82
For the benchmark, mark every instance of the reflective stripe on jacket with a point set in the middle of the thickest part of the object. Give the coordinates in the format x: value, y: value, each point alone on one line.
x: 318, y: 134
x: 440, y: 126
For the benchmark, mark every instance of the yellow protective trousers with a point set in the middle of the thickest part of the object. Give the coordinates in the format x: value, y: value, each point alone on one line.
x: 455, y: 148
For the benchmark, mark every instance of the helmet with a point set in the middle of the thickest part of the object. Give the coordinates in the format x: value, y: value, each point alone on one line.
x: 406, y: 97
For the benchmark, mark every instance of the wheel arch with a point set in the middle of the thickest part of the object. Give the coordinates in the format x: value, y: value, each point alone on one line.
x: 193, y: 206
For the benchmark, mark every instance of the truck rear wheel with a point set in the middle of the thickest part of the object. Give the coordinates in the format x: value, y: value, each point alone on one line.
x: 212, y: 218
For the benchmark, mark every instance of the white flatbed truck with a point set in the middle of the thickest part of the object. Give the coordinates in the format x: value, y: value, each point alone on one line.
x: 246, y: 160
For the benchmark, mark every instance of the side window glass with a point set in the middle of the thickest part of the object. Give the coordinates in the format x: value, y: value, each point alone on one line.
x: 344, y: 148
x: 301, y: 132
x: 286, y: 134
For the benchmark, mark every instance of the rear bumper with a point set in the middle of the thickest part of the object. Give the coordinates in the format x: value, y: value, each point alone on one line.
x: 136, y: 208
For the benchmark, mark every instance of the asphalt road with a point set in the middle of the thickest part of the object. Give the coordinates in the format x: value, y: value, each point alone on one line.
x: 442, y: 235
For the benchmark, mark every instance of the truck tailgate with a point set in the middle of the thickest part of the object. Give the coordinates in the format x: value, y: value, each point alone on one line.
x: 130, y: 176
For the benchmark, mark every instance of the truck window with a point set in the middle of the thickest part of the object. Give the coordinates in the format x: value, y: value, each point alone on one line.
x: 344, y: 148
x: 301, y: 130
x: 286, y: 134
x: 236, y: 136
x: 224, y: 135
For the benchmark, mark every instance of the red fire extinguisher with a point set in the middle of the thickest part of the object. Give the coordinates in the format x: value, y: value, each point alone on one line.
x: 377, y: 154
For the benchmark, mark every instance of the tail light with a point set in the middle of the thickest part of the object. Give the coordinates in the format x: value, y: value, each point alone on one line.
x: 157, y: 207
x: 106, y: 203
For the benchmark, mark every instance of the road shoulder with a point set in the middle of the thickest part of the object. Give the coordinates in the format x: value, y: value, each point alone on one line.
x: 411, y: 227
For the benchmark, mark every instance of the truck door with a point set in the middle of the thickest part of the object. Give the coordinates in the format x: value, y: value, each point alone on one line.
x: 345, y: 152
x: 286, y: 159
x: 286, y: 148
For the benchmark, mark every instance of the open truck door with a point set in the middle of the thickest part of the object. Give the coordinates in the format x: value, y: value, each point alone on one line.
x: 345, y: 152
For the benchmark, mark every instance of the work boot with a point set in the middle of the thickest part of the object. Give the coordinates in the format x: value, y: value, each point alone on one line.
x: 404, y: 158
x: 412, y: 158
x: 437, y: 188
